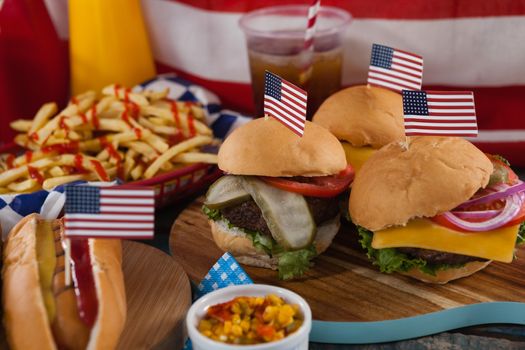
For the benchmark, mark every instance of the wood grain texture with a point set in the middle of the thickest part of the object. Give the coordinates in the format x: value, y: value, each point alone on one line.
x: 344, y: 286
x: 158, y: 295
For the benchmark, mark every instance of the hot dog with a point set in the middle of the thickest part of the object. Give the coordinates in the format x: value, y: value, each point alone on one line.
x: 41, y: 311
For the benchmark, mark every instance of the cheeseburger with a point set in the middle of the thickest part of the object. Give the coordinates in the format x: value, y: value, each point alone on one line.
x: 364, y: 118
x: 277, y: 207
x: 437, y: 211
x: 41, y: 311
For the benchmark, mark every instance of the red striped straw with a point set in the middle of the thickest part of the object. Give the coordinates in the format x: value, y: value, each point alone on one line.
x: 308, y: 48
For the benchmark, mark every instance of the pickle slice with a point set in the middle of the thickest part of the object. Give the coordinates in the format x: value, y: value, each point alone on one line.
x: 225, y: 192
x: 286, y: 213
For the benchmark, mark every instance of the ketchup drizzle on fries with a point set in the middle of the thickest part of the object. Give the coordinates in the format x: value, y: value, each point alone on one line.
x: 99, y: 169
x: 34, y: 136
x: 62, y: 124
x: 175, y: 112
x: 191, y: 120
x: 10, y: 161
x: 79, y: 160
x: 84, y: 117
x: 74, y: 100
x: 29, y: 156
x: 94, y: 117
x: 132, y: 135
x: 69, y: 147
x: 35, y: 174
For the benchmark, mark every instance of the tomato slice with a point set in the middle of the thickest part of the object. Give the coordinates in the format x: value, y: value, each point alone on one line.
x: 319, y: 186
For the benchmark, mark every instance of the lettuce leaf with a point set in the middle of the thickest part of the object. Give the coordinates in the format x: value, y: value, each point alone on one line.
x: 295, y: 263
x: 291, y: 264
x: 497, y: 156
x: 521, y: 234
x: 391, y: 260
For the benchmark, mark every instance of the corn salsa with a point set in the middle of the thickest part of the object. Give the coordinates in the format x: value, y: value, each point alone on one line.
x: 251, y: 320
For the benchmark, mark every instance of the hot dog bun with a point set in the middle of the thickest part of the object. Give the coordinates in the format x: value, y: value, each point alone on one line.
x: 26, y: 319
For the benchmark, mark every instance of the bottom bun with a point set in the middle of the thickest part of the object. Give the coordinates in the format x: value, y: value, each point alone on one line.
x: 444, y: 276
x: 237, y: 243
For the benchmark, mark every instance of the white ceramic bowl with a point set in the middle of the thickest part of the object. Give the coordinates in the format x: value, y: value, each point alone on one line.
x: 295, y: 341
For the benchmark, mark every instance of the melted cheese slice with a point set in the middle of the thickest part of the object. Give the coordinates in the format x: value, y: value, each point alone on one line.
x: 421, y: 233
x: 357, y: 156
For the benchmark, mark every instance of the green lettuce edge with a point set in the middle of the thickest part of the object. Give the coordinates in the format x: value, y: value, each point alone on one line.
x: 291, y: 264
x: 521, y: 234
x: 391, y: 260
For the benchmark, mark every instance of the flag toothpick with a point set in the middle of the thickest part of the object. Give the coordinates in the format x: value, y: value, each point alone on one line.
x: 67, y: 261
x: 395, y: 69
x: 285, y: 102
x: 109, y: 212
x: 442, y: 113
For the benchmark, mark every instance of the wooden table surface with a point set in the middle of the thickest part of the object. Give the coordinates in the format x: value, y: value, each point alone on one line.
x: 480, y: 337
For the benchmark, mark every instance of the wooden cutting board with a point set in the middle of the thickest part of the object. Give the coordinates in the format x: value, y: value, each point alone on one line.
x: 344, y: 286
x: 158, y: 296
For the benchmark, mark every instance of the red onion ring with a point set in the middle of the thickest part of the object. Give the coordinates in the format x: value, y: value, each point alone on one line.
x: 511, y: 209
x: 478, y: 214
x: 503, y: 192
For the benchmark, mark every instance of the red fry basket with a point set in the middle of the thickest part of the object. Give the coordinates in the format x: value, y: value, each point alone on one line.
x: 170, y: 186
x: 178, y: 184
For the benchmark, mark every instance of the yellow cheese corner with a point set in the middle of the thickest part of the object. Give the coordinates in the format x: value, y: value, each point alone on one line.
x: 422, y: 233
x: 357, y: 156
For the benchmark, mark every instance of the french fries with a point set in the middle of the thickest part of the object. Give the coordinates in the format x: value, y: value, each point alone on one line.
x: 119, y: 133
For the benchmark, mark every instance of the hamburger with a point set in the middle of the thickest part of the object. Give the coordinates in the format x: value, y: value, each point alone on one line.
x: 277, y: 207
x: 437, y: 211
x: 364, y: 118
x: 40, y: 310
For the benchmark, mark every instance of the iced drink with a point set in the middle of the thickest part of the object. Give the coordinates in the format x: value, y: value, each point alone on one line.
x: 275, y: 43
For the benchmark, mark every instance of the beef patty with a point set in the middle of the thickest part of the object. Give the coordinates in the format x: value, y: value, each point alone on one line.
x: 248, y: 215
x: 434, y: 257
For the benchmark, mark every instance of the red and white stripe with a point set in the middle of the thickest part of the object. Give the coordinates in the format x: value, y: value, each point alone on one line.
x: 451, y: 113
x: 124, y: 213
x: 447, y: 32
x: 291, y: 110
x: 406, y: 72
x: 313, y: 10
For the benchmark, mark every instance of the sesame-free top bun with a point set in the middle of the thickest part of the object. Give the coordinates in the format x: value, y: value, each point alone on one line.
x: 265, y: 147
x: 363, y: 116
x: 434, y: 175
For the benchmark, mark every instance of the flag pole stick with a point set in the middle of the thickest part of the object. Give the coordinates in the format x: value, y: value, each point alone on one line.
x: 67, y: 261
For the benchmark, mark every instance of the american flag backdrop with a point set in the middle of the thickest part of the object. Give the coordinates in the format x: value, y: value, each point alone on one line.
x: 109, y: 212
x: 395, y: 69
x: 443, y: 113
x: 285, y: 102
x: 467, y: 45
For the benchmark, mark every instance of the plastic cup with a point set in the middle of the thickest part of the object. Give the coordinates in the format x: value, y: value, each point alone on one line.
x: 275, y: 41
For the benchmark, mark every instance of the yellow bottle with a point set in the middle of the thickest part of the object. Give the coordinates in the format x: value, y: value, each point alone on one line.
x: 108, y: 44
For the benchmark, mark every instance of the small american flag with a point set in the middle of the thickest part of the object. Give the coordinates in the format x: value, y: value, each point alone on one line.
x: 285, y: 102
x: 395, y: 69
x: 446, y: 113
x: 109, y: 212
